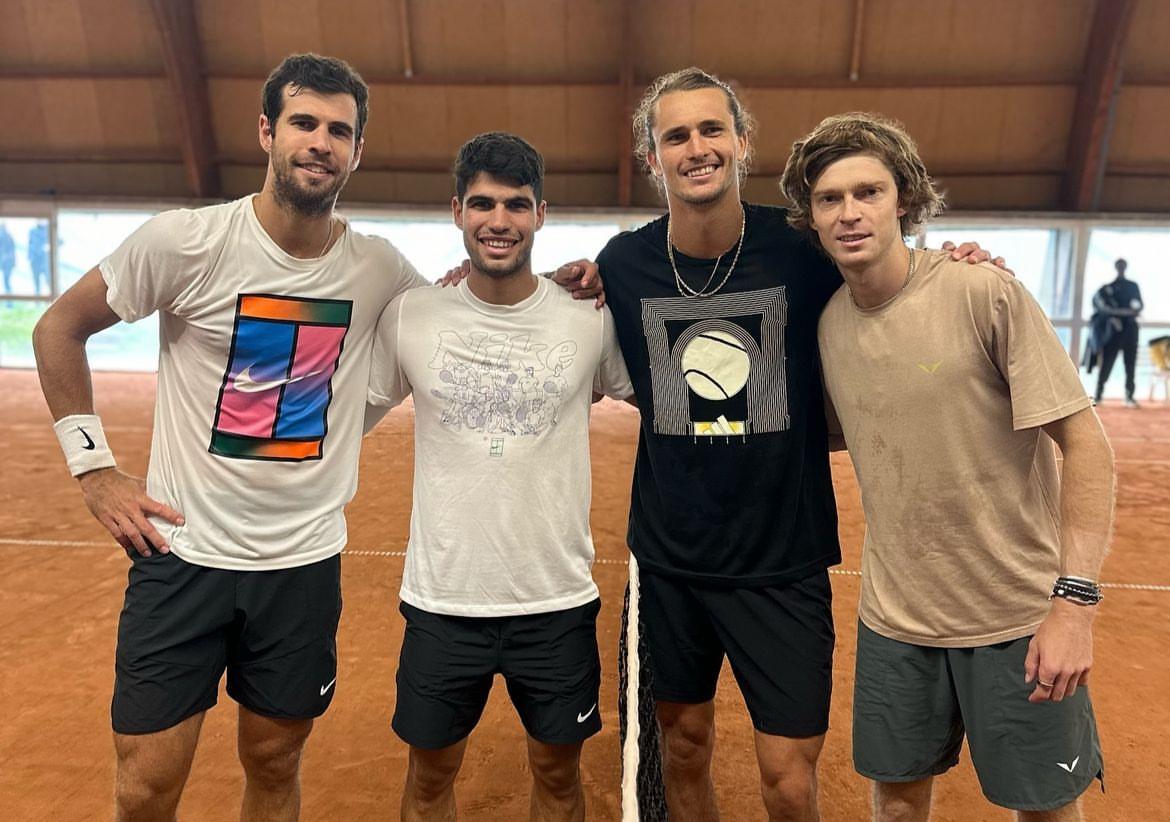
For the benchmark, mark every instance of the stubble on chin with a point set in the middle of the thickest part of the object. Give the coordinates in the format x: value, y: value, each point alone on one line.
x: 306, y: 202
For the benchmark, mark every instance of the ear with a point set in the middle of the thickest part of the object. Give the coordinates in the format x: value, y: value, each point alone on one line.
x: 357, y: 154
x: 901, y: 210
x: 741, y: 147
x: 457, y: 212
x: 652, y: 161
x: 540, y: 210
x: 265, y: 131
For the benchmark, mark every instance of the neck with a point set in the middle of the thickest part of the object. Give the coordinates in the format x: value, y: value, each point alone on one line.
x: 877, y: 283
x: 706, y: 230
x: 509, y: 290
x: 298, y: 235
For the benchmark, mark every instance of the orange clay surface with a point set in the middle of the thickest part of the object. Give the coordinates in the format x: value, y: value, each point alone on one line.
x: 62, y: 578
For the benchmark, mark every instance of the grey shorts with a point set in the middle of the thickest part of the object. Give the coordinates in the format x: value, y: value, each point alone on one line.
x: 913, y: 704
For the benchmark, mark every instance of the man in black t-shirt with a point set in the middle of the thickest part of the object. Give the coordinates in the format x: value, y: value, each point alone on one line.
x: 1116, y: 307
x: 732, y: 516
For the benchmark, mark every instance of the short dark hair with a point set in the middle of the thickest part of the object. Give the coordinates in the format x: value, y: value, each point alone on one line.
x: 325, y: 75
x: 503, y: 156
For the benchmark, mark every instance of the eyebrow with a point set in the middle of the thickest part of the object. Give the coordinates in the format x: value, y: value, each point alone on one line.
x: 826, y: 190
x: 304, y: 115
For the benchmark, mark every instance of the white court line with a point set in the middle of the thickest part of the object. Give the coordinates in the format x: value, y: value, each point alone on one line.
x: 355, y: 552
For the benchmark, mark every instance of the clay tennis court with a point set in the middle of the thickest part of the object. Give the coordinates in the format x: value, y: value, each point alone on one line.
x: 61, y: 583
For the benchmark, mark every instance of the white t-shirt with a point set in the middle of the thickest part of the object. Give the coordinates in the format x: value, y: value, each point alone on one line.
x: 500, y: 525
x: 263, y: 362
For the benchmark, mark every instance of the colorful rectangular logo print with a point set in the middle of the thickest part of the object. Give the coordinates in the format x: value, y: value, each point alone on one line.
x: 277, y: 389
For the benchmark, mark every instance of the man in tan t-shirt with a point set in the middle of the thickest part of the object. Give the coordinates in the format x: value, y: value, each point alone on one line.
x: 951, y: 386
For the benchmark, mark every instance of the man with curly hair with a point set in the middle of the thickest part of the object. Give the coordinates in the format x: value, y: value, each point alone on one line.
x: 951, y: 386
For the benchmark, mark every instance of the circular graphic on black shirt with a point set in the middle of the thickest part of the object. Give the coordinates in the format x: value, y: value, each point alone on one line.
x: 716, y: 364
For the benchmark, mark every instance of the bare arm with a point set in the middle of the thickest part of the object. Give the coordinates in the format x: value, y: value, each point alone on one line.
x: 59, y: 344
x: 117, y: 500
x: 1061, y: 652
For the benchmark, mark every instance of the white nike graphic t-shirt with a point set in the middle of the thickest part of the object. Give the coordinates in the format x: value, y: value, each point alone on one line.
x: 263, y: 364
x: 500, y: 525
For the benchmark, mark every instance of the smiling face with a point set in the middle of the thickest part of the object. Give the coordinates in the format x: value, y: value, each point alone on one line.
x: 855, y: 211
x: 696, y: 150
x: 312, y: 149
x: 499, y: 221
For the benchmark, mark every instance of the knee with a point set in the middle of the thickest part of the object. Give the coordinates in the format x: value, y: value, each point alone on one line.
x: 430, y: 777
x: 556, y: 773
x: 898, y: 802
x: 144, y: 792
x: 272, y: 761
x: 688, y: 742
x: 791, y: 793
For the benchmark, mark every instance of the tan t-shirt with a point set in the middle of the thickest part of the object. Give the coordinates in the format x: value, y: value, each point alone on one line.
x: 940, y: 392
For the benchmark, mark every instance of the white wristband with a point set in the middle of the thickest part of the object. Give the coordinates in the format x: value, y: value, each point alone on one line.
x: 84, y: 443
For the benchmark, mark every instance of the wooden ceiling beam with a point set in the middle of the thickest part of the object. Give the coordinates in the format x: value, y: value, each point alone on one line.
x: 1093, y: 117
x: 858, y: 32
x: 405, y: 35
x: 625, y: 122
x: 182, y: 57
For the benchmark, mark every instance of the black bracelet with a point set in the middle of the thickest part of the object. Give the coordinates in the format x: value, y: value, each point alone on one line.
x: 1078, y: 591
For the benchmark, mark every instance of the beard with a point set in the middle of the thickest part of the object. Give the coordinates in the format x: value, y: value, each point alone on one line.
x: 308, y: 202
x: 497, y: 269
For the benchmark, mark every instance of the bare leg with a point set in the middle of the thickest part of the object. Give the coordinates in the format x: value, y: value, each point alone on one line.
x: 1069, y: 813
x: 788, y: 776
x: 688, y: 742
x: 429, y: 795
x: 152, y: 770
x: 902, y: 801
x: 556, y: 782
x: 270, y: 751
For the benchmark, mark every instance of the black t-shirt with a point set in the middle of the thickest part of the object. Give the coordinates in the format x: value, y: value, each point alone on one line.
x: 732, y: 482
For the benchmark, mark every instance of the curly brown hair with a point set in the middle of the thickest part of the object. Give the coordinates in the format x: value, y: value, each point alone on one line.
x: 858, y: 132
x: 688, y: 79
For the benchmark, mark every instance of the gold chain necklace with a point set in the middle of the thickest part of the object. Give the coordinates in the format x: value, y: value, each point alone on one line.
x: 906, y: 282
x: 328, y: 237
x: 685, y: 290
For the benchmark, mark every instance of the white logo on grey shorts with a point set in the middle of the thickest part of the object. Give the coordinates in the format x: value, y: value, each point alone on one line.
x: 1070, y: 767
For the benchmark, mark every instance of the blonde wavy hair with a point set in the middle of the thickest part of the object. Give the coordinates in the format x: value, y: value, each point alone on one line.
x: 688, y: 79
x: 843, y: 135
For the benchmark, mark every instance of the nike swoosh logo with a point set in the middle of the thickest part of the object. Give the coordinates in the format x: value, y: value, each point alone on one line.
x: 582, y: 717
x: 89, y: 444
x: 930, y: 368
x: 325, y: 688
x: 247, y: 385
x: 1070, y: 767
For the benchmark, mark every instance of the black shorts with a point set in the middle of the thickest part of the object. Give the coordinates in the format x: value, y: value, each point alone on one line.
x: 549, y: 662
x: 183, y: 624
x: 778, y: 639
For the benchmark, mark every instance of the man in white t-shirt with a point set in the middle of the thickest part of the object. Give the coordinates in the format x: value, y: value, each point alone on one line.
x: 503, y: 370
x: 267, y: 310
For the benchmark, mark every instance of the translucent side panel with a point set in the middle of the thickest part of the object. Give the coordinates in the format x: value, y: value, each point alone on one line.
x: 1041, y: 258
x: 17, y: 318
x: 1144, y: 250
x: 24, y: 256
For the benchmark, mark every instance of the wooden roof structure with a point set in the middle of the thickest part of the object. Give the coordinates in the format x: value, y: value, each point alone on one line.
x: 1031, y: 105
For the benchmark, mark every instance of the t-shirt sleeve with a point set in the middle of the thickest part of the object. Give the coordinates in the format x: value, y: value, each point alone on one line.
x: 1043, y: 382
x: 154, y: 265
x: 404, y: 272
x: 388, y: 384
x: 612, y: 378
